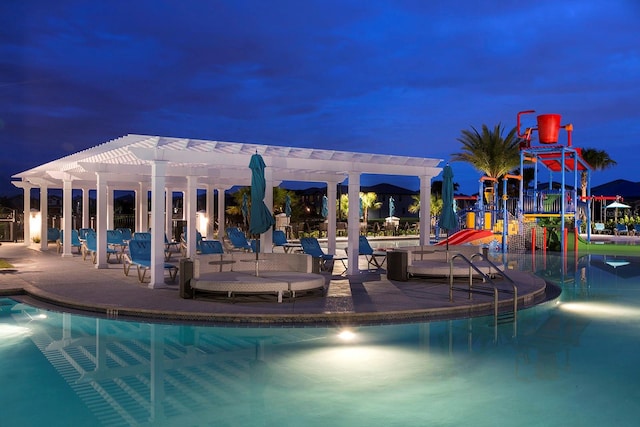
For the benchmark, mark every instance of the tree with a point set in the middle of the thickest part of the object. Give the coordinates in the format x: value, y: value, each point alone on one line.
x: 598, y: 160
x: 436, y: 205
x: 488, y: 151
x: 369, y: 201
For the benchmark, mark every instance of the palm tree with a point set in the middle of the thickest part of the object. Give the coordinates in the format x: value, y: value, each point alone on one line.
x: 369, y: 201
x: 598, y: 160
x: 488, y: 151
x: 436, y: 205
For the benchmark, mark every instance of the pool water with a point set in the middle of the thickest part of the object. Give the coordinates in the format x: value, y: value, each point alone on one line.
x: 572, y: 361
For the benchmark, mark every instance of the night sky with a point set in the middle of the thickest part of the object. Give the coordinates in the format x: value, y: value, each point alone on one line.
x: 389, y: 77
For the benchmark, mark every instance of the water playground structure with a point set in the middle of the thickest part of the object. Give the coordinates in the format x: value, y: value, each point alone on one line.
x: 513, y: 220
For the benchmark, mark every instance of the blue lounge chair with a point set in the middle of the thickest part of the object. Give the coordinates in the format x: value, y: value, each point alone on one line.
x: 115, y: 240
x: 183, y: 241
x: 90, y: 248
x: 75, y: 241
x: 621, y: 229
x: 239, y: 240
x: 142, y: 236
x: 140, y: 256
x: 126, y: 234
x: 53, y: 234
x: 374, y: 258
x: 310, y: 246
x: 280, y: 240
x: 82, y: 233
x: 211, y: 247
x: 168, y: 244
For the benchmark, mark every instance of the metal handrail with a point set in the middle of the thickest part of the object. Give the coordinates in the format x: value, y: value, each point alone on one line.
x: 506, y: 276
x: 485, y: 278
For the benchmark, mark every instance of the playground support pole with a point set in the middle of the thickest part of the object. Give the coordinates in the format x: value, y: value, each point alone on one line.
x: 505, y: 222
x: 563, y: 203
x: 533, y: 239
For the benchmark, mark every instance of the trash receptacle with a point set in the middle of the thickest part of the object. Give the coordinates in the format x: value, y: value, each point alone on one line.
x: 186, y: 274
x: 397, y: 265
x: 316, y: 265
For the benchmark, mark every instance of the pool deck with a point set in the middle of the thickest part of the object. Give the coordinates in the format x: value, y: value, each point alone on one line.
x: 48, y: 280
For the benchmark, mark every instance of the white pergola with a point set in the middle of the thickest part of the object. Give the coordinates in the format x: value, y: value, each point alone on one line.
x: 165, y: 164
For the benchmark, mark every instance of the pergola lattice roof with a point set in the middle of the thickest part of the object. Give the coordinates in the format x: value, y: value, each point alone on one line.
x: 129, y: 158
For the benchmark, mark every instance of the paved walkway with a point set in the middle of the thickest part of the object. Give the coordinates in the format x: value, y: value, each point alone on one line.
x: 71, y: 284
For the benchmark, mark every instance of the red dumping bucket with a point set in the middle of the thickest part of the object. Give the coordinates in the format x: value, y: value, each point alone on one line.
x: 548, y: 128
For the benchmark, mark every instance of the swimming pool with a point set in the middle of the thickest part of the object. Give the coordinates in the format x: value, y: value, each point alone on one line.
x: 572, y: 361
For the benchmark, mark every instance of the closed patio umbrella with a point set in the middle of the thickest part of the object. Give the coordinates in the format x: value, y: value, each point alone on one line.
x: 448, y: 220
x: 261, y: 218
x: 325, y: 207
x: 287, y: 206
x: 392, y: 207
x: 245, y: 208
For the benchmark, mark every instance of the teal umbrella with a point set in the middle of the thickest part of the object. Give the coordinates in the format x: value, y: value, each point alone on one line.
x: 325, y: 207
x: 287, y: 206
x: 448, y: 220
x: 261, y: 219
x: 392, y: 206
x: 245, y: 208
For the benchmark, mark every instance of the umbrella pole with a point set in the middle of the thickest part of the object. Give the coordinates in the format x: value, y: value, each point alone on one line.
x: 447, y: 245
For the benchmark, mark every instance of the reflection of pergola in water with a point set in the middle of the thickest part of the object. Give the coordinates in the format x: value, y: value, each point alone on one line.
x: 161, y: 164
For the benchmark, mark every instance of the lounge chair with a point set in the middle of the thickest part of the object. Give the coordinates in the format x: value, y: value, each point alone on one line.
x: 621, y: 229
x: 183, y: 241
x: 90, y: 248
x: 140, y: 256
x: 310, y: 246
x: 280, y: 240
x: 636, y: 230
x: 53, y: 234
x: 375, y: 258
x: 599, y: 228
x: 239, y: 240
x: 82, y: 233
x: 115, y: 240
x: 211, y: 247
x: 75, y: 241
x: 145, y: 236
x: 169, y: 244
x: 126, y: 234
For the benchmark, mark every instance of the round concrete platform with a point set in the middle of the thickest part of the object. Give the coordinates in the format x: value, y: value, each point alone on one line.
x: 68, y: 283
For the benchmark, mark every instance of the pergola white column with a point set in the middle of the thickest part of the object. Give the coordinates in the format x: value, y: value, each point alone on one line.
x: 210, y: 208
x: 110, y: 209
x: 354, y: 222
x: 190, y: 207
x: 142, y: 212
x: 425, y: 210
x: 158, y: 179
x: 101, y: 220
x: 332, y: 192
x: 86, y: 214
x: 221, y: 217
x: 26, y: 206
x: 168, y: 213
x: 44, y: 213
x: 67, y: 213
